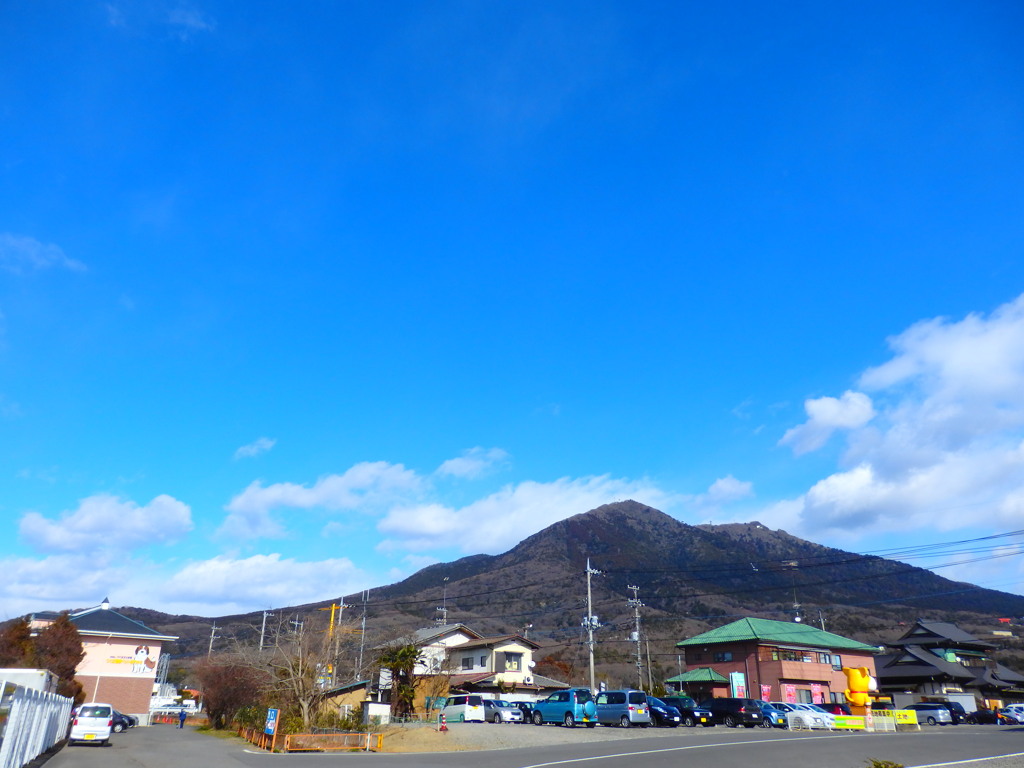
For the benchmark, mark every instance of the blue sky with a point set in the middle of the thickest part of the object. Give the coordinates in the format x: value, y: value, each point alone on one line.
x: 298, y: 298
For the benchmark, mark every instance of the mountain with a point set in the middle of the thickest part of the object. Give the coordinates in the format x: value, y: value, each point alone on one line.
x: 689, y: 579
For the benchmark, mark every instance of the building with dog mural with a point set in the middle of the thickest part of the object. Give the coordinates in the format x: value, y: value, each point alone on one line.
x: 121, y: 657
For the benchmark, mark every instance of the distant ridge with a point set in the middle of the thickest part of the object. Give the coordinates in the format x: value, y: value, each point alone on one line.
x: 691, y: 579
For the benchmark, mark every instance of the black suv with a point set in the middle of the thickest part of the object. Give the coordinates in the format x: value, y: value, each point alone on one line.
x: 956, y: 711
x: 733, y: 712
x: 691, y: 713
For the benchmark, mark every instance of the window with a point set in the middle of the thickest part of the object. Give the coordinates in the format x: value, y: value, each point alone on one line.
x: 824, y: 658
x: 723, y: 656
x: 804, y: 696
x: 467, y: 662
x: 837, y: 662
x: 483, y: 661
x: 513, y: 661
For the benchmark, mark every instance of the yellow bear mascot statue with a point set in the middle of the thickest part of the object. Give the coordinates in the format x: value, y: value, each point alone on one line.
x: 858, y: 683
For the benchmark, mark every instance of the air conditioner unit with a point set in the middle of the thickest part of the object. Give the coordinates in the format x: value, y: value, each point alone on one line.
x: 528, y: 680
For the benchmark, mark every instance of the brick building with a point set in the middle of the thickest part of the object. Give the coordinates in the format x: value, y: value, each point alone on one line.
x: 771, y: 660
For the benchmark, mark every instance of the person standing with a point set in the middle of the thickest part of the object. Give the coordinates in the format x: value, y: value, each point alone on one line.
x: 181, y: 718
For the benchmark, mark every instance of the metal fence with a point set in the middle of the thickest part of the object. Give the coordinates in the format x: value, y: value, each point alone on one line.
x: 31, y: 722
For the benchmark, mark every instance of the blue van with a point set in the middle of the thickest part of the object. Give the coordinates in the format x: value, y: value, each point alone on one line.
x: 568, y: 707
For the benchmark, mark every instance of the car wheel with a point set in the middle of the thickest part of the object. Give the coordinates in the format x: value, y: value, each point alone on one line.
x: 624, y: 722
x: 766, y: 723
x: 730, y: 721
x: 538, y: 719
x: 930, y: 721
x: 496, y: 720
x: 689, y: 722
x: 462, y: 718
x: 569, y: 721
x: 118, y: 727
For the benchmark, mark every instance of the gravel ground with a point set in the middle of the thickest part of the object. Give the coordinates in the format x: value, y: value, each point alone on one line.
x: 472, y: 736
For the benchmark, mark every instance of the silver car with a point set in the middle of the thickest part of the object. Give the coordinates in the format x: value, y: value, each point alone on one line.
x: 933, y: 714
x: 499, y: 711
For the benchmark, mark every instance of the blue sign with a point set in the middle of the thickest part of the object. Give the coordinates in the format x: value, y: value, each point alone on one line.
x: 271, y: 727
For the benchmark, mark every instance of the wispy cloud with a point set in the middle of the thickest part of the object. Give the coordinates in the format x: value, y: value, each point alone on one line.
x: 258, y: 446
x: 186, y: 21
x: 20, y: 254
x: 473, y: 463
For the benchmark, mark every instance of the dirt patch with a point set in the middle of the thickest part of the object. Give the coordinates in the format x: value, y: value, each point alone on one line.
x: 422, y: 739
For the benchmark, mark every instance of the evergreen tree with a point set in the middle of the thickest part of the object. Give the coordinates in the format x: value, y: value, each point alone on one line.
x: 58, y: 648
x: 16, y: 646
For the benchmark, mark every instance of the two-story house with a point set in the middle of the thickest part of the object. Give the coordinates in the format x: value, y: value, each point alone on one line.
x: 771, y: 660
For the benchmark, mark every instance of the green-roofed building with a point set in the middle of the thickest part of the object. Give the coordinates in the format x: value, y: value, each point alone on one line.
x: 771, y: 660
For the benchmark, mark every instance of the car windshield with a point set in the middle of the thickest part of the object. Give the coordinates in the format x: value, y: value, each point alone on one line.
x: 500, y: 703
x: 655, y: 702
x: 583, y: 696
x: 88, y: 711
x: 815, y: 708
x: 636, y: 697
x: 684, y: 701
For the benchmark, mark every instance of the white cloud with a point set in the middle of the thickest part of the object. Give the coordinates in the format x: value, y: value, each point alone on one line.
x: 501, y: 520
x: 727, y: 489
x: 941, y: 446
x: 473, y: 463
x: 367, y: 485
x: 263, y: 580
x: 255, y: 448
x: 106, y: 522
x: 825, y: 416
x: 207, y: 588
x: 20, y: 254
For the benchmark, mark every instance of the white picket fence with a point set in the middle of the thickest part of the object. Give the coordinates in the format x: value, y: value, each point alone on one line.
x: 30, y: 723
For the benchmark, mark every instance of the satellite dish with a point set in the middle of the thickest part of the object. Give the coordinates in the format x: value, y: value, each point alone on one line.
x: 532, y: 664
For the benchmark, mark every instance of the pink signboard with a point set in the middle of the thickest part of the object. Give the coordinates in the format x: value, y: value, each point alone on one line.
x: 789, y: 693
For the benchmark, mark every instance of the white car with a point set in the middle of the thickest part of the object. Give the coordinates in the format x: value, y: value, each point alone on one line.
x: 805, y: 715
x: 92, y: 722
x: 498, y: 711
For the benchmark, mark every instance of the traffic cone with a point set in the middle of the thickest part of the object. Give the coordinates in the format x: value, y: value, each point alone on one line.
x: 444, y: 724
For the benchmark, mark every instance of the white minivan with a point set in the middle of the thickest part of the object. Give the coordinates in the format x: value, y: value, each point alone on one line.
x: 464, y: 709
x: 92, y: 722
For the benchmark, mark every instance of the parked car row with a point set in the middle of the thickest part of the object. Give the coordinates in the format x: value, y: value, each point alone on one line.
x: 630, y: 707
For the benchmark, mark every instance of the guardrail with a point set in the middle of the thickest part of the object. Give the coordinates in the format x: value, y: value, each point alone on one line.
x: 333, y: 742
x: 31, y: 722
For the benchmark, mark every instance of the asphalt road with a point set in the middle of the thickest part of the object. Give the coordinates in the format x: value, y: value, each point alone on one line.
x: 164, y: 746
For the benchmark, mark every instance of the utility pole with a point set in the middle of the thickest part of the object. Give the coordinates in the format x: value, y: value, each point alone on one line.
x: 636, y: 605
x: 650, y: 672
x: 362, y: 635
x: 443, y: 608
x: 263, y: 628
x: 821, y: 620
x: 590, y: 622
x: 213, y: 634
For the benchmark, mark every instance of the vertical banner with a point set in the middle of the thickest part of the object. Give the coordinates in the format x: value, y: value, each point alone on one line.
x: 789, y: 693
x: 816, y: 696
x: 766, y: 692
x: 738, y: 683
